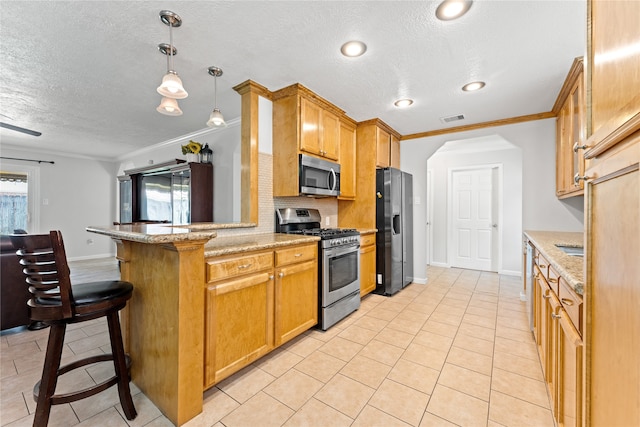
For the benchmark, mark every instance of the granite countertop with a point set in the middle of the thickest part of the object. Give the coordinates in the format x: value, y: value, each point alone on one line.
x: 157, y: 233
x: 571, y: 268
x: 251, y: 242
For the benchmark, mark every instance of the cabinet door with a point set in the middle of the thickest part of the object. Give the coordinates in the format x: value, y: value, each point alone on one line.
x: 296, y: 300
x: 544, y: 317
x: 347, y: 161
x: 576, y: 154
x: 612, y: 292
x: 238, y: 324
x: 310, y: 127
x: 395, y: 152
x: 569, y: 373
x: 330, y: 137
x: 563, y: 148
x: 382, y: 148
x: 552, y: 350
x: 367, y: 269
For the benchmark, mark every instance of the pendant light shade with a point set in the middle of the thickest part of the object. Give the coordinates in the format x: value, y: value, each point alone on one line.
x: 215, y: 119
x: 171, y: 86
x: 169, y: 107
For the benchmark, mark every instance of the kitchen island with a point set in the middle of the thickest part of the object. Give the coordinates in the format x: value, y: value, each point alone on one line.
x: 164, y: 322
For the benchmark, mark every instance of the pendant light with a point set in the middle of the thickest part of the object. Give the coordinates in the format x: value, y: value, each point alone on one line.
x: 168, y: 106
x: 171, y: 86
x: 215, y: 119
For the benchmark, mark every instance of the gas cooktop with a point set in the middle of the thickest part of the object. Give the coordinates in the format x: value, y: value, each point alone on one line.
x: 327, y: 233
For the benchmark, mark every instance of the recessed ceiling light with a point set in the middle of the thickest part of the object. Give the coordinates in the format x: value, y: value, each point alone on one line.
x: 403, y: 103
x: 353, y: 48
x: 452, y: 9
x: 470, y: 87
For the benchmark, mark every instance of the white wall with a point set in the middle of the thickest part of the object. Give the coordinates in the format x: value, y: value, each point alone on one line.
x: 79, y: 192
x: 510, y: 221
x: 225, y: 143
x: 541, y: 210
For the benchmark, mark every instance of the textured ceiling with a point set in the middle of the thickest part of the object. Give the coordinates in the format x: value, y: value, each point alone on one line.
x: 84, y: 73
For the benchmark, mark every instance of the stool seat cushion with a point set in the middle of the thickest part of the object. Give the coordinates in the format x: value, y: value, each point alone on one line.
x: 91, y: 293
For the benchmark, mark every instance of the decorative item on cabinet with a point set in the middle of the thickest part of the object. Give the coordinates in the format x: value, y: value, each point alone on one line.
x: 206, y: 154
x: 192, y: 151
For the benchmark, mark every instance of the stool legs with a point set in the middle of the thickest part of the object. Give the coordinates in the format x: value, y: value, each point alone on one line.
x: 120, y: 365
x: 49, y: 374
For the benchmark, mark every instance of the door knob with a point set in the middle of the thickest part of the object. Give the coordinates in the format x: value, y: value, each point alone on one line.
x: 494, y: 225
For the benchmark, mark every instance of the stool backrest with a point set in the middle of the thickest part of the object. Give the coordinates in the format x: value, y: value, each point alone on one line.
x: 47, y: 274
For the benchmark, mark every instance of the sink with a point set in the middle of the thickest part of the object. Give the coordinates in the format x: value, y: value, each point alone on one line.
x: 571, y: 250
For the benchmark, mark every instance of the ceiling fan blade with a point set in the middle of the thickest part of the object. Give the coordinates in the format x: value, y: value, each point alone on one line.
x: 19, y: 129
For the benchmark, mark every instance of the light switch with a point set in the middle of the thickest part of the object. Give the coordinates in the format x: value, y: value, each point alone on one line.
x: 416, y: 200
x: 45, y: 202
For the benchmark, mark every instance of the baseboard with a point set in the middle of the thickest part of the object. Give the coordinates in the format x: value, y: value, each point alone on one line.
x: 84, y: 258
x: 420, y: 280
x: 510, y: 272
x: 440, y: 264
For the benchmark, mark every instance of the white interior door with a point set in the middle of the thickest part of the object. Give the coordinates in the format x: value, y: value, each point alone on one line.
x: 472, y: 219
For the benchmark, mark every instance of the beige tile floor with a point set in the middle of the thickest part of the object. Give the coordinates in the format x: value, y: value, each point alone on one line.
x: 453, y: 352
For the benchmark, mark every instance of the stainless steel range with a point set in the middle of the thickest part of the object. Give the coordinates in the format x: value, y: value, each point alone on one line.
x: 338, y: 266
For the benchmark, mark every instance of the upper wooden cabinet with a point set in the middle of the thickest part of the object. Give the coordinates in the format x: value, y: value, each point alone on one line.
x: 387, y: 148
x: 570, y: 133
x: 347, y: 159
x: 305, y: 123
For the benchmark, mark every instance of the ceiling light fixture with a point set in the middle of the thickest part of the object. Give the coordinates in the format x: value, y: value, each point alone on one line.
x: 470, y: 87
x: 168, y: 106
x: 403, y: 103
x: 452, y: 9
x: 353, y: 48
x: 171, y: 86
x: 215, y: 119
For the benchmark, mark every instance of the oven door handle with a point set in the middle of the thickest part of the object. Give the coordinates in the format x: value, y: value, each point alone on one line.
x: 341, y: 250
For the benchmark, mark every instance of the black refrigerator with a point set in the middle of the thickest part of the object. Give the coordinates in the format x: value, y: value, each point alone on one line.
x: 394, y: 239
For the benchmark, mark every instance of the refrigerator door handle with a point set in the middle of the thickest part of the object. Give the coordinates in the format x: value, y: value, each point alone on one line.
x: 395, y: 225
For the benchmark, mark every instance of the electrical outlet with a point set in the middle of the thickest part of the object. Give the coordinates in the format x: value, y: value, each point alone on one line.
x: 327, y: 221
x: 89, y: 241
x: 45, y: 202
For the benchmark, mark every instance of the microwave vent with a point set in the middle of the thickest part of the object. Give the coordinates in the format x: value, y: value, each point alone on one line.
x: 452, y: 118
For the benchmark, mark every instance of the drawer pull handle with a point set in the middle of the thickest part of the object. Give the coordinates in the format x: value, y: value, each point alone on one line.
x: 281, y: 274
x: 271, y: 277
x: 552, y: 280
x: 577, y: 147
x: 243, y: 266
x: 577, y: 178
x: 298, y: 255
x: 543, y: 266
x: 567, y: 301
x: 546, y: 294
x: 556, y: 316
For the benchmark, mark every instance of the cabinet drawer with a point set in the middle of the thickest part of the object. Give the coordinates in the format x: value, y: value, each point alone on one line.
x: 367, y: 239
x: 542, y: 264
x: 231, y: 267
x: 572, y: 303
x: 297, y: 254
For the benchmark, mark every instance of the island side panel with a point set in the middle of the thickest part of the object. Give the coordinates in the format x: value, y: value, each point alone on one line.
x: 164, y: 323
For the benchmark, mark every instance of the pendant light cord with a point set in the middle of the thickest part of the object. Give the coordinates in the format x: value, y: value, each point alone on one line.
x: 171, y: 43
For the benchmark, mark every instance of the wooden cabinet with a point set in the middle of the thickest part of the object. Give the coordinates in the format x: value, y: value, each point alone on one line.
x: 319, y: 130
x: 296, y: 292
x: 558, y: 334
x: 387, y: 149
x: 347, y: 160
x: 570, y: 133
x: 239, y: 312
x: 367, y: 263
x: 361, y: 211
x: 303, y: 122
x: 612, y: 223
x: 185, y: 193
x: 254, y: 303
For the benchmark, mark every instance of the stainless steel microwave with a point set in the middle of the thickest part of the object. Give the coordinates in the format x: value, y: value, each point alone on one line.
x: 318, y: 177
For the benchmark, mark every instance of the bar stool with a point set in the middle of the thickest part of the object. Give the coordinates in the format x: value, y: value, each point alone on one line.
x: 56, y: 302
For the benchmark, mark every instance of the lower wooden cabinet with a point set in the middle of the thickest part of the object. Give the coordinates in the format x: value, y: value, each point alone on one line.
x: 255, y: 302
x: 559, y: 343
x: 367, y: 263
x: 238, y: 324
